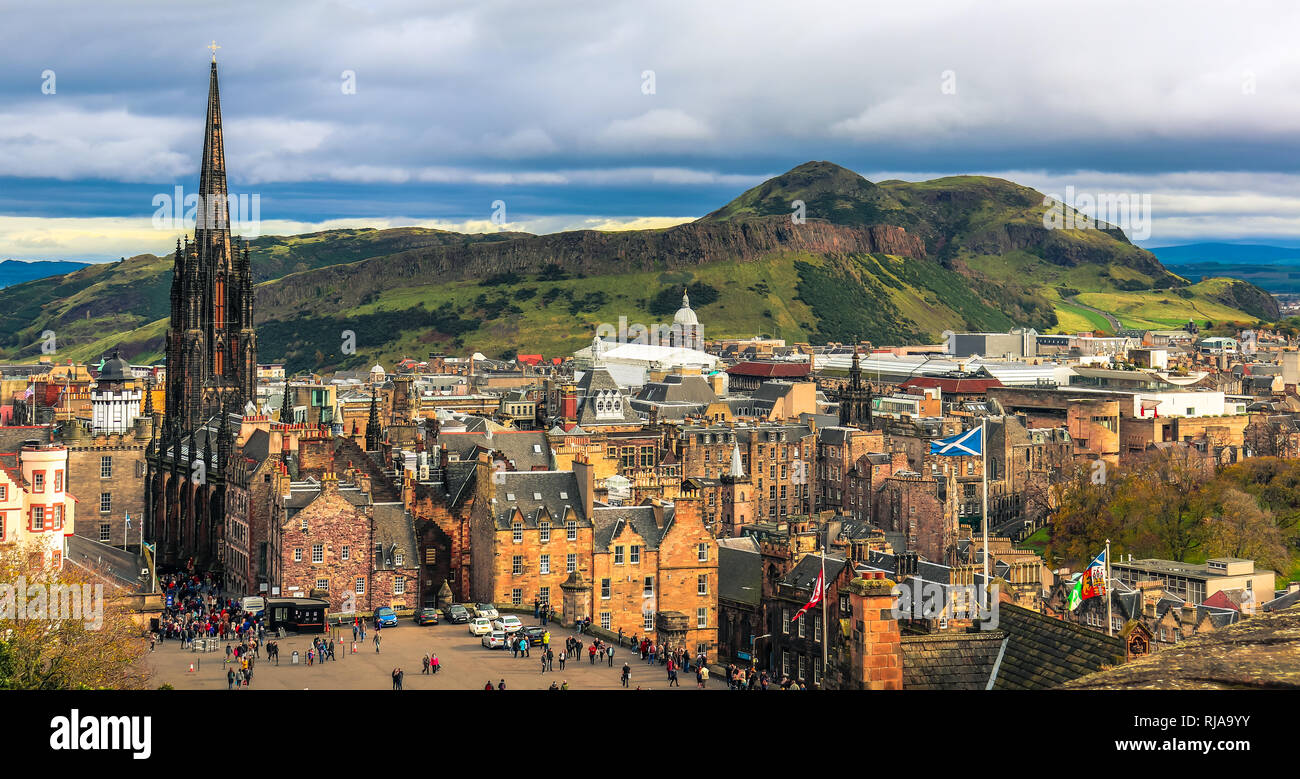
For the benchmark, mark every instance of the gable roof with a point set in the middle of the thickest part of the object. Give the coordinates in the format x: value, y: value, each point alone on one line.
x: 531, y: 492
x: 1044, y: 652
x: 610, y: 522
x: 950, y: 661
x: 740, y: 571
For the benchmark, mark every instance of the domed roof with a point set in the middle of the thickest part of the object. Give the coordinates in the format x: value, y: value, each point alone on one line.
x: 685, y: 316
x: 115, y: 369
x: 377, y: 369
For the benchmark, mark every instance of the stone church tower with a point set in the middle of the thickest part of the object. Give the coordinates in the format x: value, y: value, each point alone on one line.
x: 855, y: 399
x: 211, y: 343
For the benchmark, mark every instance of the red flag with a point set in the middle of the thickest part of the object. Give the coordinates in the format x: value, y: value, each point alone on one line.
x: 819, y: 589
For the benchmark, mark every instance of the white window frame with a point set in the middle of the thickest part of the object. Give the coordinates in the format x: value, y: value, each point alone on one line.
x: 317, y: 554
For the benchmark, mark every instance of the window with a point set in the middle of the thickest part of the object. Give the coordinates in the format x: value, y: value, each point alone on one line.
x: 803, y: 666
x: 517, y: 565
x: 323, y: 584
x: 4, y: 492
x: 648, y: 620
x: 544, y: 594
x: 399, y: 585
x: 517, y: 532
x: 544, y: 529
x: 58, y: 481
x: 105, y: 467
x: 38, y: 481
x: 604, y: 589
x: 648, y: 587
x: 297, y: 554
x: 785, y: 621
x: 544, y: 564
x: 346, y: 554
x: 817, y: 630
x: 817, y: 671
x: 570, y: 563
x: 516, y: 596
x: 302, y: 525
x: 398, y: 559
x: 785, y: 663
x: 360, y: 589
x: 702, y: 617
x: 105, y: 531
x: 702, y: 552
x: 702, y: 584
x: 618, y: 555
x: 58, y: 517
x: 105, y: 502
x: 634, y: 555
x: 801, y: 624
x: 571, y: 527
x: 604, y: 620
x: 431, y: 556
x: 318, y: 553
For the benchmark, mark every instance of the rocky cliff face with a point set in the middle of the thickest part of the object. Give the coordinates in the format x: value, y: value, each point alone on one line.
x: 586, y: 252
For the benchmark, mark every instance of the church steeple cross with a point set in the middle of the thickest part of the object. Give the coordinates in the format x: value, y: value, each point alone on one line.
x: 213, y: 46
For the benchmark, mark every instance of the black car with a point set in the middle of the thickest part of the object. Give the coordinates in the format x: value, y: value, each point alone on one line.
x: 456, y: 614
x: 426, y: 616
x: 533, y: 633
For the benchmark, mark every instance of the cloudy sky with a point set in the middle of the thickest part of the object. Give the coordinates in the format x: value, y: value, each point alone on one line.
x: 635, y: 113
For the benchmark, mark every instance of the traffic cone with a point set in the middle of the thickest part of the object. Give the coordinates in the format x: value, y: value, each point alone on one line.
x: 191, y: 667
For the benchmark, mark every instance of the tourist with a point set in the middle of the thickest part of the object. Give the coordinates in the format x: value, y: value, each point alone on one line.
x: 627, y: 672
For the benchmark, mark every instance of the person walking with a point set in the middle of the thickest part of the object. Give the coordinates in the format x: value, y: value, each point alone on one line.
x: 395, y: 685
x: 501, y: 685
x: 561, y: 661
x: 376, y: 642
x: 433, y: 663
x: 488, y: 686
x: 424, y: 665
x: 550, y: 660
x: 591, y: 652
x: 230, y: 678
x: 627, y: 673
x: 703, y: 676
x: 543, y: 664
x: 610, y: 651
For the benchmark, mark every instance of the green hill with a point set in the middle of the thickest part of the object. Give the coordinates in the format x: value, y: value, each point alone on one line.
x: 891, y: 261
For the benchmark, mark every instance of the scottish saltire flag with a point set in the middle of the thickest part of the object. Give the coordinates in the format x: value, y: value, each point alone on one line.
x: 960, y: 445
x: 1090, y: 584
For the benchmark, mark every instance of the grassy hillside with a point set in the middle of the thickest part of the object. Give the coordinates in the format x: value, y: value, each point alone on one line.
x: 893, y: 262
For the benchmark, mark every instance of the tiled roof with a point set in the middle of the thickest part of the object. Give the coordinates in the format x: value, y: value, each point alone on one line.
x: 950, y: 661
x: 610, y: 522
x: 1262, y: 652
x: 770, y: 369
x: 532, y: 491
x: 1044, y: 652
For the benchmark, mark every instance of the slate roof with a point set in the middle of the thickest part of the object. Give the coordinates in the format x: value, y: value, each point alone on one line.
x: 610, y: 522
x: 1282, y: 602
x: 1044, y: 652
x: 770, y: 369
x: 556, y: 491
x: 740, y: 571
x: 1262, y: 652
x: 950, y: 661
x: 394, y: 529
x: 678, y: 389
x: 526, y: 449
x: 804, y: 574
x: 593, y: 382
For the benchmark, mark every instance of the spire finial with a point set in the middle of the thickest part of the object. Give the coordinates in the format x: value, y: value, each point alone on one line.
x: 213, y: 47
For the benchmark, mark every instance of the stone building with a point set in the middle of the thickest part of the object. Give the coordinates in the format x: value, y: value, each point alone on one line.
x: 777, y: 457
x: 336, y: 543
x: 106, y: 474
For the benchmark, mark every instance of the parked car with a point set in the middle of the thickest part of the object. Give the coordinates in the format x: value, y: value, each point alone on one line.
x: 426, y: 616
x: 455, y: 613
x: 534, y: 634
x: 495, y: 640
x: 485, y: 610
x: 385, y: 616
x: 509, y: 623
x: 480, y: 627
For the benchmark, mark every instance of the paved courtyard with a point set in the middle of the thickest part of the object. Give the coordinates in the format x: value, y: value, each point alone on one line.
x: 466, y: 664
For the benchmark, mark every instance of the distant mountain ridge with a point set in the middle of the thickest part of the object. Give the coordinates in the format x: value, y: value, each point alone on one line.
x: 18, y: 271
x: 892, y: 262
x: 1226, y: 253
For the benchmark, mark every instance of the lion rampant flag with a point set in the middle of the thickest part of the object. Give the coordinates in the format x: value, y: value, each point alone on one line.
x: 1089, y: 585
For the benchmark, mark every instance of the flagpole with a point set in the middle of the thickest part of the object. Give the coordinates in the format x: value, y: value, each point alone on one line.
x: 1110, y: 617
x: 984, y: 518
x: 826, y: 636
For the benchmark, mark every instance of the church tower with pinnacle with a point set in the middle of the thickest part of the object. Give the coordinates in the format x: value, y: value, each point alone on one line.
x: 211, y: 343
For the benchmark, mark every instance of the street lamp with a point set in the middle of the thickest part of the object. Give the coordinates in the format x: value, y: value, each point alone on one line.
x: 753, y: 658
